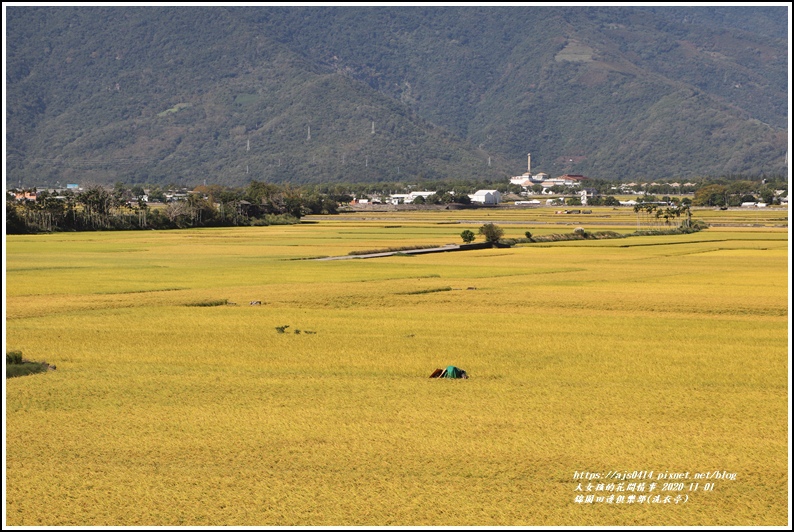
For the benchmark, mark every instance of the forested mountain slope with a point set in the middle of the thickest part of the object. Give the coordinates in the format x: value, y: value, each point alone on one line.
x: 306, y: 94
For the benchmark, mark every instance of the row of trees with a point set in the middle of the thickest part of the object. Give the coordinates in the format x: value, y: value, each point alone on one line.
x: 654, y: 213
x: 97, y: 208
x: 734, y: 194
x: 441, y: 198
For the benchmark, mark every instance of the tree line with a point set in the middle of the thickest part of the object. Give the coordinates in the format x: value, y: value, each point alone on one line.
x: 128, y: 208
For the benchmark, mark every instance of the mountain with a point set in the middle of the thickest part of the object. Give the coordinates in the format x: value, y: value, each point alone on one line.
x: 308, y: 94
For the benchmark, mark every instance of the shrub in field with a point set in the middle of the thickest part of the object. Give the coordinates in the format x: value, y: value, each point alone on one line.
x: 697, y: 225
x: 26, y: 368
x: 210, y: 303
x: 599, y: 235
x: 16, y: 366
x: 467, y: 236
x: 427, y: 291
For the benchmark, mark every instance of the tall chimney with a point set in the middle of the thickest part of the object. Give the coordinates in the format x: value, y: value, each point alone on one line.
x: 529, y: 163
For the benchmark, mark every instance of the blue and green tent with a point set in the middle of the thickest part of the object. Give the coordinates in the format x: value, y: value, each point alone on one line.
x: 451, y: 372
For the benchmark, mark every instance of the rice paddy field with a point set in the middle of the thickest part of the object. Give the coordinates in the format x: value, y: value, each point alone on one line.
x: 637, y: 381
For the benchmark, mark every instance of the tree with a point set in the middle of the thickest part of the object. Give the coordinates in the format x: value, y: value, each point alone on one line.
x: 96, y: 200
x: 767, y: 194
x: 491, y: 232
x: 156, y: 195
x: 710, y: 195
x: 467, y: 236
x: 595, y: 200
x: 258, y: 192
x: 740, y: 188
x: 748, y: 198
x: 434, y: 199
x: 177, y: 212
x: 15, y: 224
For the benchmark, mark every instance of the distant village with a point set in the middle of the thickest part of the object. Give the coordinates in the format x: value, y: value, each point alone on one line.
x: 526, y: 189
x: 541, y: 184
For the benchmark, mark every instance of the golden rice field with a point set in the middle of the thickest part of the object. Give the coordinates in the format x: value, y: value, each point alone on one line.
x: 661, y: 353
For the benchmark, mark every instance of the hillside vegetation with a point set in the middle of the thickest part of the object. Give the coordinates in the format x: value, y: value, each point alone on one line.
x: 310, y: 94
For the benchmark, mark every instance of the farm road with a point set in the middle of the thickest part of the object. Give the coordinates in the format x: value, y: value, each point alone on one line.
x: 448, y: 247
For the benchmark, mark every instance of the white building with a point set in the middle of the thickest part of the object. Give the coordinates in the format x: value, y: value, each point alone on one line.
x: 527, y: 180
x: 567, y: 180
x: 395, y: 199
x: 546, y: 182
x: 486, y: 197
x: 524, y: 180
